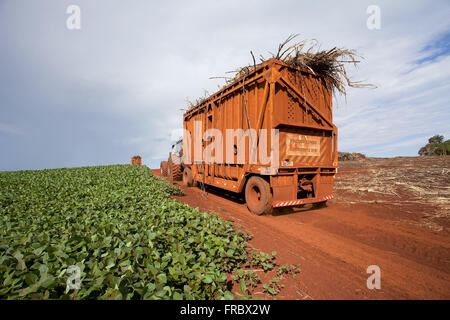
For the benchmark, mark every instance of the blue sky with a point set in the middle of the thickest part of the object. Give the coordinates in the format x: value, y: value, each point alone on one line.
x: 116, y: 87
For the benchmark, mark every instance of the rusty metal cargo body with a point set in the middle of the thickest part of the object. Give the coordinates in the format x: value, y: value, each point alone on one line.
x: 273, y: 96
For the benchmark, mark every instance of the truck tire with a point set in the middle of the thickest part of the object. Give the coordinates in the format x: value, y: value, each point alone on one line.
x: 164, y: 168
x: 188, y: 181
x: 258, y: 196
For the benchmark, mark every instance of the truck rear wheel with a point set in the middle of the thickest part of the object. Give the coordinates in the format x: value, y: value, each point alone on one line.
x: 164, y: 168
x: 258, y: 196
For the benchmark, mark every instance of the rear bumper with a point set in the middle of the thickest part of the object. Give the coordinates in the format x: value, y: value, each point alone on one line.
x: 302, y: 201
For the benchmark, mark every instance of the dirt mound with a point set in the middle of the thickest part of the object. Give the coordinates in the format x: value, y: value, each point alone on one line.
x: 350, y: 156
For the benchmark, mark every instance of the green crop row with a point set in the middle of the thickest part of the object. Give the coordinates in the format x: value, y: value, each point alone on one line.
x: 120, y: 227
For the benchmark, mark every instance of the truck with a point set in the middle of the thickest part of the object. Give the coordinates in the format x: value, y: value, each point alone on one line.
x: 272, y: 102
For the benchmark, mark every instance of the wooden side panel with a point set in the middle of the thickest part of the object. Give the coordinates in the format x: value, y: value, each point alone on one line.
x: 315, y: 89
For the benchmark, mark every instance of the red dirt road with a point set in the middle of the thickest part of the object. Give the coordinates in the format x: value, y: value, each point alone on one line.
x: 334, y: 246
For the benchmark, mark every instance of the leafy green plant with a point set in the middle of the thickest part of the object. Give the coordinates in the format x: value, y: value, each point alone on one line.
x: 259, y: 259
x: 288, y: 269
x: 246, y: 278
x: 273, y: 287
x: 123, y: 230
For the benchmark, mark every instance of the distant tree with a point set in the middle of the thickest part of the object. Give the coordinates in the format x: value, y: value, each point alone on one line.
x: 447, y: 146
x: 436, y: 139
x: 444, y: 148
x: 436, y: 146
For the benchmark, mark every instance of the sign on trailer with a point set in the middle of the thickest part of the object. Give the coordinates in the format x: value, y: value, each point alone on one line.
x: 303, y: 145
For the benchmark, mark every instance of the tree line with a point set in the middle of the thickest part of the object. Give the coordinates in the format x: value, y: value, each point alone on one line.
x: 436, y: 146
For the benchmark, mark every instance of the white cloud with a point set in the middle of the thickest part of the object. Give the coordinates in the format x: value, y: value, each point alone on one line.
x: 411, y: 100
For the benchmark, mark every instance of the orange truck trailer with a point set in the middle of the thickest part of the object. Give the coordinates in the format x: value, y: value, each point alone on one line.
x: 278, y: 102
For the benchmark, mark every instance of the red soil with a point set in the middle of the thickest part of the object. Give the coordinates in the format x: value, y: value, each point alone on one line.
x: 334, y: 246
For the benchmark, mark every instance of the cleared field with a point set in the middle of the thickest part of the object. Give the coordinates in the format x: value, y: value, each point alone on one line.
x: 416, y: 185
x: 120, y: 226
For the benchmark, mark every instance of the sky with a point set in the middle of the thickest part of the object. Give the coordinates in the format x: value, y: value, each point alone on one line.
x: 117, y: 86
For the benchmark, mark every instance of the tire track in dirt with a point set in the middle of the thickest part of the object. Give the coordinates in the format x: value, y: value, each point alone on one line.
x: 397, y: 271
x: 432, y: 251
